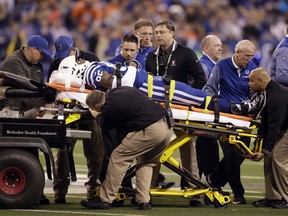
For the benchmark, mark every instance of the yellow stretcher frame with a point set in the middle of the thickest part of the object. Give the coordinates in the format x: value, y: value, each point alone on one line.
x: 220, y: 131
x: 192, y: 129
x: 223, y: 133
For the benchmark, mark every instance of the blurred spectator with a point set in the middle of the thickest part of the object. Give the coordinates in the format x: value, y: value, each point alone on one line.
x: 17, y: 39
x: 85, y: 12
x: 101, y: 23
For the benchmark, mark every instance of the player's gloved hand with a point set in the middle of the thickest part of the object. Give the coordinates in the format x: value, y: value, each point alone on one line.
x: 239, y: 109
x: 133, y: 63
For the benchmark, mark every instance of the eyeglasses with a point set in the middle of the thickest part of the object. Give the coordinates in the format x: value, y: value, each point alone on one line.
x: 40, y: 51
x: 146, y: 34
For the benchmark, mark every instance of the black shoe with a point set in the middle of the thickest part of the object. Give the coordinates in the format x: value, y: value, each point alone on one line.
x: 95, y: 204
x: 43, y: 200
x: 280, y: 205
x: 161, y: 178
x: 133, y: 201
x: 164, y: 185
x: 263, y: 203
x: 239, y: 200
x: 144, y: 206
x: 60, y: 200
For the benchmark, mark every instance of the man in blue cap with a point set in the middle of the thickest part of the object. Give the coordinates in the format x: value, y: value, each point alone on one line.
x: 65, y: 46
x: 26, y: 62
x: 93, y: 148
x: 36, y: 49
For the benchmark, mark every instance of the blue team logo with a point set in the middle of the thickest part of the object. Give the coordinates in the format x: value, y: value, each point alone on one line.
x: 59, y: 47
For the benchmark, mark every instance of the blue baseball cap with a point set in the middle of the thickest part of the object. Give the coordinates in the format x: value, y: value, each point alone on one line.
x: 63, y: 46
x: 40, y: 43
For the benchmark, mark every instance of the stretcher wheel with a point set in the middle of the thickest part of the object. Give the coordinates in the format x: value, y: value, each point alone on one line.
x: 119, y: 200
x: 118, y: 203
x: 217, y: 204
x: 207, y: 201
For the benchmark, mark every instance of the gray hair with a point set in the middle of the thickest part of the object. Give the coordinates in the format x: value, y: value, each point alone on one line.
x: 244, y: 45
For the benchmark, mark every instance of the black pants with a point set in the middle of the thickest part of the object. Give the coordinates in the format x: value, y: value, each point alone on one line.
x: 207, y: 150
x: 228, y: 170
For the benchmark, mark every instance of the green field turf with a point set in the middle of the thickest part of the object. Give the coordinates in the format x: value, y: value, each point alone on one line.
x: 252, y: 177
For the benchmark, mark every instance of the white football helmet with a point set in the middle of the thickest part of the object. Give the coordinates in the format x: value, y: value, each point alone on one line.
x: 71, y: 70
x: 69, y: 66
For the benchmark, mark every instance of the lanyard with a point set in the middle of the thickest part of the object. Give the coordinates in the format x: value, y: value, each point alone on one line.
x: 167, y: 63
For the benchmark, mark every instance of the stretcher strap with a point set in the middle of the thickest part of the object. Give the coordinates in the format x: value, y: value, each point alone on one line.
x: 207, y: 102
x: 216, y: 107
x: 169, y: 88
x: 150, y: 85
x: 172, y: 89
x: 187, y: 118
x: 67, y: 82
x: 168, y: 112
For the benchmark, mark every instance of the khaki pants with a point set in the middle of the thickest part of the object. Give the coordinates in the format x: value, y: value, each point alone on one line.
x: 276, y: 170
x: 146, y: 146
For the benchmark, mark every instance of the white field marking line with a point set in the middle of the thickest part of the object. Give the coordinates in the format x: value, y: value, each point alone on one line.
x: 74, y: 212
x: 253, y: 177
x: 246, y: 191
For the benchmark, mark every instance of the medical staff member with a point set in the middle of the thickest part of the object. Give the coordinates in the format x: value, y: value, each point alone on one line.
x: 148, y: 135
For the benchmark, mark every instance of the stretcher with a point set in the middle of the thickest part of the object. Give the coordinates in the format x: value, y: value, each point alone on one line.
x: 190, y: 120
x: 197, y: 122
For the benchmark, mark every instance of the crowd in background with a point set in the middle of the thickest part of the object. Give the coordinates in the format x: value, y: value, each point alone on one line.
x: 99, y: 25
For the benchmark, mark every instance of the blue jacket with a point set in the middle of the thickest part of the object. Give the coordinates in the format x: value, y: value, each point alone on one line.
x: 119, y: 58
x: 226, y: 82
x: 279, y: 64
x: 142, y: 54
x: 207, y: 65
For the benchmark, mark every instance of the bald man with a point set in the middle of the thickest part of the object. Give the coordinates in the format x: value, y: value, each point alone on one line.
x: 275, y: 139
x: 211, y: 46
